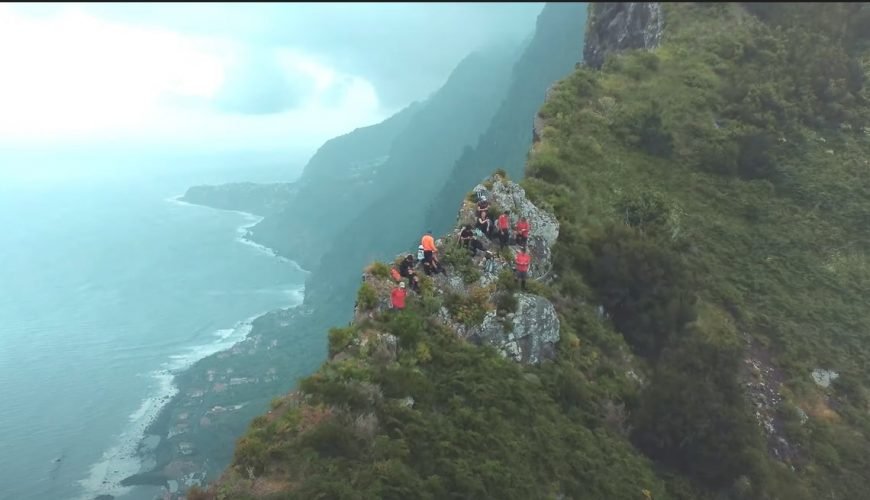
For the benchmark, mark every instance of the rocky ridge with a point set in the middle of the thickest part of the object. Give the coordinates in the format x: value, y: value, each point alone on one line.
x: 529, y: 333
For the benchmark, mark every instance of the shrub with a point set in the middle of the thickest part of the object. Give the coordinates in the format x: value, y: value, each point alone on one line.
x: 367, y: 298
x: 643, y: 287
x: 468, y: 310
x: 694, y: 415
x: 505, y: 302
x: 380, y: 270
x: 645, y: 129
x: 339, y: 338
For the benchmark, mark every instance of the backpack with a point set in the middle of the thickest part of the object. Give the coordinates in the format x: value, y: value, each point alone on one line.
x: 395, y: 274
x: 479, y: 194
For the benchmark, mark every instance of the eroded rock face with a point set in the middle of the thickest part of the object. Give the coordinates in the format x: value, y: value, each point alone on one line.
x: 531, y: 336
x: 614, y: 27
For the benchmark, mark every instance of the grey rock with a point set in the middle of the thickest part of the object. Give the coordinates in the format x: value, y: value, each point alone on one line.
x: 533, y: 333
x: 613, y: 27
x: 510, y: 196
x: 824, y: 378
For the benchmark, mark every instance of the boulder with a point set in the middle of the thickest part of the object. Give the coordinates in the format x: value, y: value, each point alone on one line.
x: 531, y: 336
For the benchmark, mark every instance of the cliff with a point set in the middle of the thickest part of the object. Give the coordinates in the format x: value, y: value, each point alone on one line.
x: 707, y: 170
x: 614, y: 27
x: 552, y: 54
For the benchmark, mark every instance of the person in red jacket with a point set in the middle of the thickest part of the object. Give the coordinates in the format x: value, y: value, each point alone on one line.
x: 504, y: 227
x: 522, y: 261
x: 397, y: 297
x: 523, y: 230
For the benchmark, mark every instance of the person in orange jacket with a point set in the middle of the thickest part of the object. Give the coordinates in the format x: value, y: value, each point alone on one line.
x: 522, y: 262
x: 397, y: 297
x: 429, y: 248
x: 523, y: 230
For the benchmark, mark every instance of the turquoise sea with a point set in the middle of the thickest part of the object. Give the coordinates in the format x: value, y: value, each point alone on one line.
x: 107, y: 287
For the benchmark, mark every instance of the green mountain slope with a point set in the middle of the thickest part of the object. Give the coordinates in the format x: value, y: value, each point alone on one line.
x: 710, y: 273
x: 722, y: 177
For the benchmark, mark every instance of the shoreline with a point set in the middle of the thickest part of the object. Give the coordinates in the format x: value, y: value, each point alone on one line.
x: 134, y: 453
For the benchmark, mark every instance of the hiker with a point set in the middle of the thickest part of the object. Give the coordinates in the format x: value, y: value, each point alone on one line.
x: 429, y: 249
x: 483, y: 223
x: 397, y: 277
x: 482, y: 205
x: 465, y: 236
x: 522, y: 261
x: 406, y: 270
x: 397, y: 297
x: 504, y: 225
x: 420, y: 254
x: 523, y: 230
x: 433, y: 267
x: 406, y: 267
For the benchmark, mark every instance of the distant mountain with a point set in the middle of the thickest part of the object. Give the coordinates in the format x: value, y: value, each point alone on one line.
x: 554, y: 51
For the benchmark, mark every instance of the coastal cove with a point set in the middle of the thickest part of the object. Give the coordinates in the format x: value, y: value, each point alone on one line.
x: 190, y: 441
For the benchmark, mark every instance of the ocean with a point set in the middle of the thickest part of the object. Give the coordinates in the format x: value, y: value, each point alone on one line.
x: 108, y: 286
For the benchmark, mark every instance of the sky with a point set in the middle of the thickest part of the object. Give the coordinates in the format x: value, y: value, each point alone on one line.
x: 227, y: 77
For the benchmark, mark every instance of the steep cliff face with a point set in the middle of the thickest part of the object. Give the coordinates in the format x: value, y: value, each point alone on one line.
x: 552, y: 53
x: 615, y: 26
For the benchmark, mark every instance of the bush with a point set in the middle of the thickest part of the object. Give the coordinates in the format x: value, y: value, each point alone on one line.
x: 380, y: 270
x: 367, y: 298
x: 643, y: 287
x: 505, y: 302
x: 645, y: 129
x: 694, y: 415
x: 339, y: 338
x: 468, y: 310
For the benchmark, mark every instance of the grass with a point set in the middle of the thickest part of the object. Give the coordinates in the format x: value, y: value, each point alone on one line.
x: 768, y: 230
x: 697, y: 203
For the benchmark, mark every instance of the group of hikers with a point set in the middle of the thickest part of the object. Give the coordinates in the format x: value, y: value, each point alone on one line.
x: 427, y: 252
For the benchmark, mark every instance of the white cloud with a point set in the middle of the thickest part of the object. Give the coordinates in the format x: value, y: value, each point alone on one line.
x: 72, y: 77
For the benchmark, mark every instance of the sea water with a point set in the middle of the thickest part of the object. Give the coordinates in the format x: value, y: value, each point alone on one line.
x: 108, y: 287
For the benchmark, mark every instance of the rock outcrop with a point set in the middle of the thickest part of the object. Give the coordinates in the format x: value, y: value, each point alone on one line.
x: 614, y: 26
x: 507, y: 195
x: 531, y: 336
x: 527, y: 334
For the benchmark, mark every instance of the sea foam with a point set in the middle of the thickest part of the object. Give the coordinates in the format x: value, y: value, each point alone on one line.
x: 123, y: 459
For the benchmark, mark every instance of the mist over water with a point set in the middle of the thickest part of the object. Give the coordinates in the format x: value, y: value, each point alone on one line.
x: 107, y: 287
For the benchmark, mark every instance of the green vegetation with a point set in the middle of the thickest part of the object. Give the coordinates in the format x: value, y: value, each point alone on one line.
x: 716, y: 187
x: 460, y: 258
x: 380, y: 270
x: 712, y: 202
x: 367, y: 298
x: 468, y: 309
x: 444, y: 419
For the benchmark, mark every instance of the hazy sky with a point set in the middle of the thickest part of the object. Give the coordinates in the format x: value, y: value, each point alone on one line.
x: 227, y: 76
